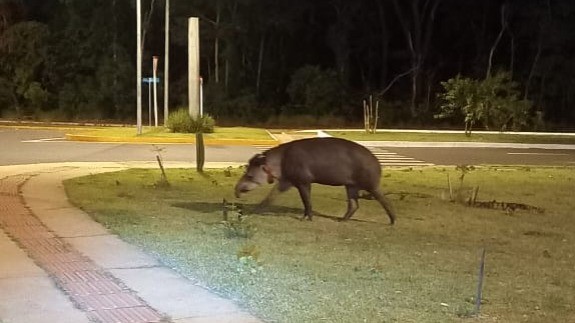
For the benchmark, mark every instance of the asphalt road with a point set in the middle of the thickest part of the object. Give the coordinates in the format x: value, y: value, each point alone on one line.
x: 495, y: 156
x: 47, y: 146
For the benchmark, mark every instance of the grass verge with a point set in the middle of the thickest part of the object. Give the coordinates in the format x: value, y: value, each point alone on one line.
x: 455, y: 137
x: 424, y: 269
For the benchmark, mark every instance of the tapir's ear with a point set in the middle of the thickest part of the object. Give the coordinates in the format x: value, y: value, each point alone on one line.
x: 258, y: 159
x: 261, y: 158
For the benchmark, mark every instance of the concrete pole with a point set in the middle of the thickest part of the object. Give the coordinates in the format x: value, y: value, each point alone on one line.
x: 155, y: 75
x: 149, y: 104
x: 193, y: 67
x: 201, y: 97
x: 166, y: 64
x: 139, y: 66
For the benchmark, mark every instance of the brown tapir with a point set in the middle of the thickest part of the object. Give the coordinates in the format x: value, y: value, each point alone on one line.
x: 327, y: 161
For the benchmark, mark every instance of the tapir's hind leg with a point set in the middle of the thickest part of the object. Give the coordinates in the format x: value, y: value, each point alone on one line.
x: 305, y: 194
x: 352, y: 203
x: 385, y: 204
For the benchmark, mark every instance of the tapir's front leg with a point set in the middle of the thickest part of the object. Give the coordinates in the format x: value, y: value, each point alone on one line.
x: 278, y: 188
x: 270, y: 197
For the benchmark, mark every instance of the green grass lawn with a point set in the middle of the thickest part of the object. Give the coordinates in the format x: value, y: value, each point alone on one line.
x: 423, y: 269
x: 443, y: 137
x: 160, y: 132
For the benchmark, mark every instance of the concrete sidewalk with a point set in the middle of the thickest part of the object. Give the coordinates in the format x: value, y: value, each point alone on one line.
x: 58, y: 265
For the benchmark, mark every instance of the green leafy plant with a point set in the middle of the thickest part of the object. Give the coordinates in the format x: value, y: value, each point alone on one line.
x: 315, y: 90
x: 248, y: 257
x: 228, y: 171
x: 493, y: 101
x: 461, y: 193
x: 236, y: 224
x: 181, y: 121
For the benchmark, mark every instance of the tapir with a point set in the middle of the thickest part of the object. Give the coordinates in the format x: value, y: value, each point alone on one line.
x: 326, y: 161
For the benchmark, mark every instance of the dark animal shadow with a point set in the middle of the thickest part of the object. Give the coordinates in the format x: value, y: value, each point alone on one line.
x: 256, y: 209
x: 296, y: 213
x: 202, y: 207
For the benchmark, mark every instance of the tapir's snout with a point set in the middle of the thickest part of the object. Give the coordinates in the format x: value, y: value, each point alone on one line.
x: 244, y: 186
x: 240, y: 190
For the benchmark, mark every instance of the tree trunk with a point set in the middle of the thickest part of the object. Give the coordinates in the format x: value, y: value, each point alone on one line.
x: 417, y: 31
x: 512, y: 54
x: 533, y: 67
x: 494, y: 46
x: 217, y: 46
x: 115, y: 95
x: 384, y: 43
x: 260, y: 63
x: 226, y: 74
x: 414, y: 89
x: 147, y: 24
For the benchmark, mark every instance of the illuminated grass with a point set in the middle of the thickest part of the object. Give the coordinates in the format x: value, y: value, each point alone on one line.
x: 361, y: 270
x: 160, y: 132
x: 455, y: 137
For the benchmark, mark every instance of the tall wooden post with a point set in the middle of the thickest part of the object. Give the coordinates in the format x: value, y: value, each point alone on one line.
x: 193, y: 67
x: 155, y: 75
x: 167, y: 63
x: 139, y: 66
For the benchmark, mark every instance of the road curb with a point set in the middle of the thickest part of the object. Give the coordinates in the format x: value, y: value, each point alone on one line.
x: 181, y: 140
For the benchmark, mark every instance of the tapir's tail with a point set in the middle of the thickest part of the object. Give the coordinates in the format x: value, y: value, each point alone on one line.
x: 385, y: 204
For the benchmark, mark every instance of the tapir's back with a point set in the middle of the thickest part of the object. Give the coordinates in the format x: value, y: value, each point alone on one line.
x: 329, y: 161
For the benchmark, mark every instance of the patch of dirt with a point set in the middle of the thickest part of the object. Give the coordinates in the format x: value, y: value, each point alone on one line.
x: 508, y: 207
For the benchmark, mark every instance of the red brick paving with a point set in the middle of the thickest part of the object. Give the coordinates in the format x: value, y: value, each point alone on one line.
x: 103, y: 297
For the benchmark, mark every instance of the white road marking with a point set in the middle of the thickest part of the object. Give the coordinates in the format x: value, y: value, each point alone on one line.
x: 384, y: 157
x: 387, y: 158
x: 45, y: 139
x: 541, y: 154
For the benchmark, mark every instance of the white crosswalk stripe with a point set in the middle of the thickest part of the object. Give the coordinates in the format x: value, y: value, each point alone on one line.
x: 263, y: 147
x: 386, y: 158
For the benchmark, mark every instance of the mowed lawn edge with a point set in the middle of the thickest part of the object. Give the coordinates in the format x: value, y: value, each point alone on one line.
x: 423, y: 269
x: 508, y: 137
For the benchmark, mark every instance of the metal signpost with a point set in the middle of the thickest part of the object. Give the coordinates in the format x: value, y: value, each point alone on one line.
x: 149, y: 81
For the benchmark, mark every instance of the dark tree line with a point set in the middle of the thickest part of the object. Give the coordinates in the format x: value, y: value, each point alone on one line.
x: 65, y: 59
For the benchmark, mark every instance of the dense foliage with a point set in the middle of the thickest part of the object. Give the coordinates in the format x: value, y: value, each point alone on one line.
x: 494, y: 102
x: 269, y: 59
x: 180, y: 121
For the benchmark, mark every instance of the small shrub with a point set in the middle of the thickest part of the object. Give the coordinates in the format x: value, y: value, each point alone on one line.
x: 236, y: 224
x: 204, y: 124
x: 248, y: 257
x: 180, y: 121
x: 239, y: 227
x: 248, y: 250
